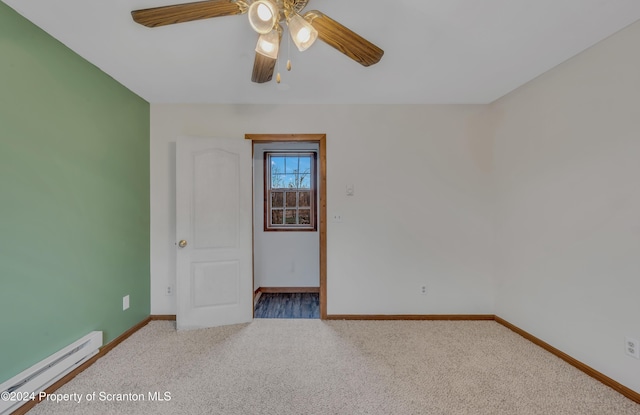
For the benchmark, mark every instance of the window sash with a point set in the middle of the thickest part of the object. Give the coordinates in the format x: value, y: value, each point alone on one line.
x: 286, y: 206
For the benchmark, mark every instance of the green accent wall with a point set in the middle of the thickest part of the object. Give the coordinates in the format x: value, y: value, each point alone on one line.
x: 74, y: 198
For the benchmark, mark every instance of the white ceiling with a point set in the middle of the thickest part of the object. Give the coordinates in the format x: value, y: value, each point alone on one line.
x: 436, y: 51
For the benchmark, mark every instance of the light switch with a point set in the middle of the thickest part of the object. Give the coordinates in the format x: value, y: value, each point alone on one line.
x: 349, y: 190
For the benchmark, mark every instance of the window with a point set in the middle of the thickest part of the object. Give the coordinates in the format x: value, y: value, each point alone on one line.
x: 290, y: 191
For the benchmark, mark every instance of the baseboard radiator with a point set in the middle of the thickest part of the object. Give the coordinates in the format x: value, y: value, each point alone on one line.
x: 18, y: 390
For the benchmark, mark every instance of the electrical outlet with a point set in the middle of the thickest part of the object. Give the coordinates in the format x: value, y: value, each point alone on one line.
x: 337, y: 218
x: 125, y: 302
x: 169, y: 291
x: 423, y: 290
x: 632, y: 347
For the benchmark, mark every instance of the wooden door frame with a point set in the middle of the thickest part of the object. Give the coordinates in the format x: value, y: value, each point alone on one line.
x: 321, y: 140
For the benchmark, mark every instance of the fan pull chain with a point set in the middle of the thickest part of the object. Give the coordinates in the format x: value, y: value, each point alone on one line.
x: 288, y: 53
x: 278, y: 74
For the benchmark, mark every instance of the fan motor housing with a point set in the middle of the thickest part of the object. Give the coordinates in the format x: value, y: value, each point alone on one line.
x: 296, y: 5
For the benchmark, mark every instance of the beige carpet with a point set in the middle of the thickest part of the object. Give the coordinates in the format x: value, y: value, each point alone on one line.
x: 336, y: 367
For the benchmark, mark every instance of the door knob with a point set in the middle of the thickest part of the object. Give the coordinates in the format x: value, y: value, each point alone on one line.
x: 182, y: 243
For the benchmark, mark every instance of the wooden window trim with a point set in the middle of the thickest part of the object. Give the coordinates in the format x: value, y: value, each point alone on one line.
x: 267, y: 193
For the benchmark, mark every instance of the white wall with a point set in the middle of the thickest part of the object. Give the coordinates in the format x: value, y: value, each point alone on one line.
x: 567, y: 176
x: 420, y: 213
x: 551, y: 172
x: 281, y: 259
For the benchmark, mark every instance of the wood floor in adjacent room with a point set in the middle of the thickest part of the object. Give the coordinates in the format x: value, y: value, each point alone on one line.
x: 288, y: 305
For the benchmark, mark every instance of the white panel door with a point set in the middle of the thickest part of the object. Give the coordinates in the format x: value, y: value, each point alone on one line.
x: 214, y: 281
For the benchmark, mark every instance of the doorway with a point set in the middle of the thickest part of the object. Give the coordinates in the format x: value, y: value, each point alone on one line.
x: 298, y: 143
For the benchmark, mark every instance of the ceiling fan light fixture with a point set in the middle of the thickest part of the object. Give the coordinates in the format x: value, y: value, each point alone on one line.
x: 268, y: 18
x: 263, y: 15
x: 268, y: 44
x: 302, y: 33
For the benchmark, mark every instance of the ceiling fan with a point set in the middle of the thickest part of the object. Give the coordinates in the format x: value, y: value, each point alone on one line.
x: 266, y: 18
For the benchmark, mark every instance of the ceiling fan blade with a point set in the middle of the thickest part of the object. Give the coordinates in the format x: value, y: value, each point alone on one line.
x: 345, y: 40
x: 178, y: 13
x: 263, y: 68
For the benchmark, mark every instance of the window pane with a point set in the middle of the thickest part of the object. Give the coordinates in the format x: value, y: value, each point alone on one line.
x: 290, y: 216
x: 305, y: 164
x: 277, y: 164
x: 304, y: 216
x: 276, y: 216
x: 291, y: 165
x: 291, y: 199
x: 277, y: 172
x: 277, y: 199
x: 304, y: 199
x: 304, y: 181
x: 277, y: 181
